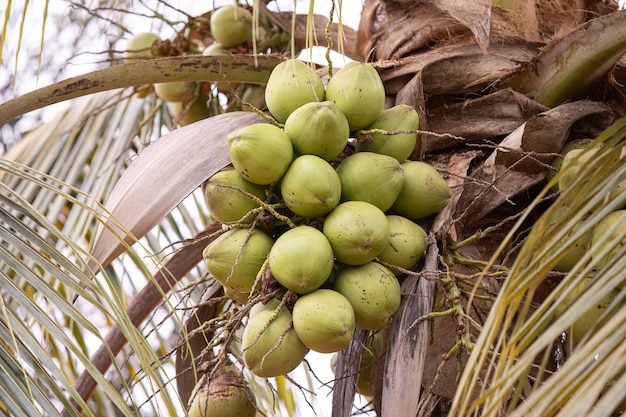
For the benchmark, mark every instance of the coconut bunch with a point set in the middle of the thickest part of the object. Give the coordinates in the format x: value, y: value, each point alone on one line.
x: 572, y: 161
x: 320, y: 209
x: 223, y: 31
x: 602, y: 238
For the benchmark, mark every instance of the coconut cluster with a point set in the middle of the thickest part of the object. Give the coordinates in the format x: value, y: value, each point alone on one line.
x: 602, y: 241
x: 325, y: 221
x: 226, y: 31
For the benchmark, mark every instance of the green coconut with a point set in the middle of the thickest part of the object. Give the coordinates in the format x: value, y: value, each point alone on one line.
x: 273, y: 304
x: 140, y: 47
x: 359, y: 92
x: 368, y: 369
x: 573, y: 162
x: 190, y: 112
x: 318, y: 128
x: 591, y: 317
x: 235, y: 258
x: 575, y: 249
x: 239, y: 297
x: 399, y: 146
x: 324, y: 320
x: 270, y: 344
x: 231, y: 25
x: 608, y: 239
x: 292, y: 84
x: 374, y: 178
x: 215, y: 48
x: 407, y: 243
x: 310, y: 187
x: 424, y: 192
x: 357, y: 231
x: 558, y: 161
x: 373, y: 291
x: 228, y: 195
x: 366, y: 381
x: 225, y: 394
x: 175, y: 90
x: 301, y: 259
x: 260, y: 152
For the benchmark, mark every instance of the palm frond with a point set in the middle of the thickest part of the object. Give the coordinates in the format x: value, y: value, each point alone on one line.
x: 512, y: 356
x: 89, y: 146
x: 41, y: 266
x: 241, y: 68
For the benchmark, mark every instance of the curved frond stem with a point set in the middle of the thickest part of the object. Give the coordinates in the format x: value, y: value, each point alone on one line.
x: 235, y: 68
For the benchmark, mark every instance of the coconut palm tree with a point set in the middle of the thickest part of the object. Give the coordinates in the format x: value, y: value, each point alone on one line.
x: 107, y: 308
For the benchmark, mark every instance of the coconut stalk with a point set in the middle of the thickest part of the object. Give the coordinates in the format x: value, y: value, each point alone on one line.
x: 234, y: 68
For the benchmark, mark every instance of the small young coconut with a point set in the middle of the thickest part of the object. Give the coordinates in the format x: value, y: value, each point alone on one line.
x: 572, y: 163
x: 591, y: 317
x: 235, y: 258
x: 224, y: 394
x: 292, y: 84
x: 407, y: 243
x: 575, y: 250
x: 175, y: 90
x: 260, y: 152
x: 190, y: 112
x: 608, y: 239
x: 400, y: 146
x: 558, y: 161
x: 231, y: 25
x: 324, y: 320
x: 318, y: 128
x: 228, y: 195
x: 239, y: 297
x: 139, y: 47
x: 270, y: 344
x: 373, y: 291
x: 273, y: 304
x: 370, y: 177
x: 301, y: 259
x: 357, y: 231
x: 366, y: 381
x: 424, y: 192
x: 253, y: 95
x: 310, y: 187
x: 359, y: 92
x: 215, y: 48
